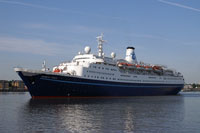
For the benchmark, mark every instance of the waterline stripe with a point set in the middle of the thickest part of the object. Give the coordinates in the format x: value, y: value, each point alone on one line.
x: 101, y: 84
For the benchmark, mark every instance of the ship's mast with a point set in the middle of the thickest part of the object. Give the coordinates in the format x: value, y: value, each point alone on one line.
x: 44, y: 66
x: 100, y: 45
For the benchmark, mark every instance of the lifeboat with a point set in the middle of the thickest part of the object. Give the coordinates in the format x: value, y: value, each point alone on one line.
x: 124, y: 64
x: 57, y: 70
x: 140, y: 67
x: 148, y: 67
x: 129, y: 64
x: 157, y: 68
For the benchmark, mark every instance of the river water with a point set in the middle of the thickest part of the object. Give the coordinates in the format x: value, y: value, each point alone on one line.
x: 162, y: 114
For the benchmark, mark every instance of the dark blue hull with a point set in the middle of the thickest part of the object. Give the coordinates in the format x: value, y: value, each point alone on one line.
x: 52, y: 85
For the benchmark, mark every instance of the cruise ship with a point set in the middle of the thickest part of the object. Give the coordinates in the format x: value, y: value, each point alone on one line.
x: 95, y: 75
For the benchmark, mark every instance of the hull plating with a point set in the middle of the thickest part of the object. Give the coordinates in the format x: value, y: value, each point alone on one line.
x: 49, y: 85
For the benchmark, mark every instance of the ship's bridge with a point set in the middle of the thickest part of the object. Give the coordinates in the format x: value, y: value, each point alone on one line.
x: 89, y: 58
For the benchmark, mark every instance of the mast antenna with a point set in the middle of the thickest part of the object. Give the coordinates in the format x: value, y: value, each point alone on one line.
x: 100, y: 45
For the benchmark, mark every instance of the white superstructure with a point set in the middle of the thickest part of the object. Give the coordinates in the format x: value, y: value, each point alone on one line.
x: 128, y: 70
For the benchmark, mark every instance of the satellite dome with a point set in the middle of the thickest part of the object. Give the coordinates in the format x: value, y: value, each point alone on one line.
x: 113, y: 54
x: 87, y: 49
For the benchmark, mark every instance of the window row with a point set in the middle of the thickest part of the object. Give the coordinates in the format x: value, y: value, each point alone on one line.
x: 104, y: 68
x: 97, y: 77
x: 101, y: 73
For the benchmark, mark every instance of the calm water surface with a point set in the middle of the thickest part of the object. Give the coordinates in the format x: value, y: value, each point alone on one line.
x: 165, y: 114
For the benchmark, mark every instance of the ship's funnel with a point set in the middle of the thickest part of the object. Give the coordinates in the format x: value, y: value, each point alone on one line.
x: 130, y: 55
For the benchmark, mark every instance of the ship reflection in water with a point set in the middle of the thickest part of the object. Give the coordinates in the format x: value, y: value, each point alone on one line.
x: 146, y: 114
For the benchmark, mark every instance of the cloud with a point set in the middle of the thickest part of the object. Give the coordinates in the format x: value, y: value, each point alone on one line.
x: 29, y: 5
x: 62, y: 11
x: 78, y: 29
x: 179, y: 5
x: 40, y: 6
x: 39, y: 26
x: 148, y: 36
x: 157, y: 37
x: 41, y: 47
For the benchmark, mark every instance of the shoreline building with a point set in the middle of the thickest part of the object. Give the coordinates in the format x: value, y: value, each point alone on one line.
x: 4, y: 85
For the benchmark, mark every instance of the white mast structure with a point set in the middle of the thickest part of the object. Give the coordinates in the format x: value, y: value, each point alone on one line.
x: 100, y: 45
x: 44, y: 66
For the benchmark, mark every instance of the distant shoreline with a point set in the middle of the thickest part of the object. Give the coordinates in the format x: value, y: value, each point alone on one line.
x: 191, y: 90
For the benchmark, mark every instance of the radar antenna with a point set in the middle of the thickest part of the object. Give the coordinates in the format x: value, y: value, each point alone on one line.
x: 100, y: 44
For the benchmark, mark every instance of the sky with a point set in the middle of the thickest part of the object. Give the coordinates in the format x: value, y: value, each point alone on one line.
x: 162, y: 31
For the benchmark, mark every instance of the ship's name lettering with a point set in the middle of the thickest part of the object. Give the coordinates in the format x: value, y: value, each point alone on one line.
x: 49, y: 77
